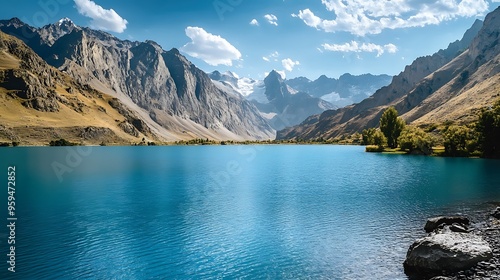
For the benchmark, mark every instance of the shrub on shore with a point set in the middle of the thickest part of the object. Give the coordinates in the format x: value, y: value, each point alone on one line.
x: 61, y: 142
x: 374, y: 149
x: 415, y: 141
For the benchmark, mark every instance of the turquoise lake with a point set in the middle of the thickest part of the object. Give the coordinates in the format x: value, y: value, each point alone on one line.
x: 212, y: 212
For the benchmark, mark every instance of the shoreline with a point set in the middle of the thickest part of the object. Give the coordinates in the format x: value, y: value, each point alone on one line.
x: 486, y: 226
x: 166, y: 144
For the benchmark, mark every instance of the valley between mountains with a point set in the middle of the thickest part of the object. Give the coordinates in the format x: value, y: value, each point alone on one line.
x: 63, y: 81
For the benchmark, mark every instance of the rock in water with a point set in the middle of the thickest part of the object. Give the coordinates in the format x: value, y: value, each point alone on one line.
x: 496, y: 213
x: 448, y: 251
x: 434, y: 223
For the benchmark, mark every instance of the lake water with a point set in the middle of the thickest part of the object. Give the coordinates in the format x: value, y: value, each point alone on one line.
x: 250, y: 212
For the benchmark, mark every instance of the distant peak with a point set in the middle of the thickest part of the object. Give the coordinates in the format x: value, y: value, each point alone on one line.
x: 231, y: 74
x: 153, y: 43
x: 346, y: 76
x: 16, y: 22
x: 215, y: 75
x: 174, y: 51
x: 274, y: 73
x: 65, y: 20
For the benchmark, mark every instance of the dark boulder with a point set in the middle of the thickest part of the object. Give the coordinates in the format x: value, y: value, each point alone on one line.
x: 446, y: 251
x: 440, y: 278
x: 437, y: 222
x: 496, y: 213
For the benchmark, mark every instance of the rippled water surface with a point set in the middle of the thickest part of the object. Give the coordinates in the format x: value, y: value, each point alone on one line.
x: 251, y: 212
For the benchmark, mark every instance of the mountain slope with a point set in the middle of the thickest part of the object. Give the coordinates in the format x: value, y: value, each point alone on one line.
x: 173, y: 96
x: 39, y: 104
x: 422, y: 81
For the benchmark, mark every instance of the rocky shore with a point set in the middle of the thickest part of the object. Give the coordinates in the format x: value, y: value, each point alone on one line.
x: 457, y: 248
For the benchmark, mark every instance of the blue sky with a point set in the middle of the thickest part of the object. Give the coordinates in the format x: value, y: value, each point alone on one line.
x: 297, y: 37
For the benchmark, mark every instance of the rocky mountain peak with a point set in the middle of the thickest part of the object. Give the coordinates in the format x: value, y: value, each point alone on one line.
x: 274, y: 75
x: 175, y: 57
x: 169, y: 91
x: 275, y: 87
x: 413, y: 91
x: 231, y: 74
x: 472, y: 32
x: 154, y: 44
x: 52, y: 32
x: 215, y: 75
x: 485, y: 45
x: 13, y: 22
x: 65, y: 21
x: 323, y: 78
x: 174, y: 51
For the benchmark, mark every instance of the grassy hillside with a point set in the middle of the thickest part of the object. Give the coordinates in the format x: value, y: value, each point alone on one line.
x: 78, y: 113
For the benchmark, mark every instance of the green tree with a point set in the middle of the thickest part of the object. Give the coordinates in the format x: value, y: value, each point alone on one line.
x: 379, y: 139
x: 373, y: 136
x: 367, y: 136
x: 488, y: 130
x: 391, y: 125
x: 456, y: 139
x: 415, y: 140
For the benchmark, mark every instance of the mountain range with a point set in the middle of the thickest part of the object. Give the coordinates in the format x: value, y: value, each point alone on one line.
x: 66, y: 81
x: 39, y: 103
x: 279, y: 103
x: 170, y: 95
x: 451, y: 85
x: 346, y: 90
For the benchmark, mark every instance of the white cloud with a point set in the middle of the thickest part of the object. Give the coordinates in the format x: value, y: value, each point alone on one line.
x: 212, y: 49
x: 103, y: 19
x: 282, y: 73
x: 361, y: 17
x: 391, y: 48
x: 254, y: 22
x: 272, y: 19
x: 309, y: 18
x: 289, y: 64
x: 356, y: 47
x: 274, y: 56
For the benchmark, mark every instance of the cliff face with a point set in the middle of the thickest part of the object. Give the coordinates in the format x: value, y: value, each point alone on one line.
x: 425, y: 79
x: 168, y: 91
x: 463, y: 86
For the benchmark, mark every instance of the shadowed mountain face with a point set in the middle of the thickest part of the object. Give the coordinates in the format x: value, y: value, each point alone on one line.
x: 449, y: 85
x: 167, y: 90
